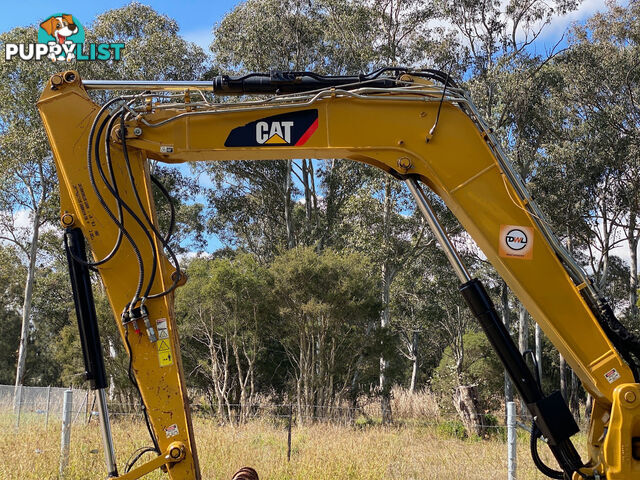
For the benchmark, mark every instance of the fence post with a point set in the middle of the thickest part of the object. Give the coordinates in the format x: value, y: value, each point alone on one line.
x: 65, y: 438
x: 18, y: 405
x: 289, y: 433
x: 511, y: 440
x: 46, y: 415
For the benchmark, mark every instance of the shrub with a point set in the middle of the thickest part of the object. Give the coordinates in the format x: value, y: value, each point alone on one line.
x: 451, y: 429
x: 480, y: 367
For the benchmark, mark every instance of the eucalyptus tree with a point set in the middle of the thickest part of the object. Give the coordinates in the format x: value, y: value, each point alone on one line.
x: 12, y: 273
x: 602, y: 79
x: 28, y: 190
x: 326, y: 302
x: 225, y: 309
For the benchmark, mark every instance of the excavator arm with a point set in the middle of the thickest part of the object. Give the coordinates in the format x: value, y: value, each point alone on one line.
x: 416, y: 125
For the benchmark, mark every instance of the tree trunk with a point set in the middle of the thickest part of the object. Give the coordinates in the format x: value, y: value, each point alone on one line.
x: 588, y: 407
x: 523, y: 344
x: 465, y: 400
x: 385, y: 391
x: 26, y: 308
x: 523, y: 329
x: 288, y: 218
x: 633, y: 277
x: 574, y: 398
x: 414, y: 370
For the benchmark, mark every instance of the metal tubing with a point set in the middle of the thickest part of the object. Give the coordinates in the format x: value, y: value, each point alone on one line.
x: 65, y: 436
x: 143, y: 85
x: 107, y: 439
x: 438, y: 231
x: 511, y: 441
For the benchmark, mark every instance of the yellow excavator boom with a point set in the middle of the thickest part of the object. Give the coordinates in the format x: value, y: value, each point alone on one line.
x: 416, y: 125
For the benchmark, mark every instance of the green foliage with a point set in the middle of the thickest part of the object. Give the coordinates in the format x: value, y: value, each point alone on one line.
x: 153, y: 50
x: 451, y: 429
x: 11, y: 276
x: 327, y: 304
x: 479, y: 366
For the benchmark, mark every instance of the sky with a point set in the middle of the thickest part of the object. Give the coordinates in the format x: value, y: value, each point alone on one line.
x: 197, y: 17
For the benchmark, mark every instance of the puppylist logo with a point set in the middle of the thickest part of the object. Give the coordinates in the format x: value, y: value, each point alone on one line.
x: 61, y: 38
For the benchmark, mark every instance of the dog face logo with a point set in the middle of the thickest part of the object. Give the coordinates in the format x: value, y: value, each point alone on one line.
x: 60, y: 27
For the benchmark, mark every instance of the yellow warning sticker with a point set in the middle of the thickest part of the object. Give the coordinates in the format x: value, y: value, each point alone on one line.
x: 165, y: 357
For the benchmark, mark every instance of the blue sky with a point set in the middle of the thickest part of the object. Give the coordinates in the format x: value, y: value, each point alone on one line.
x: 197, y: 17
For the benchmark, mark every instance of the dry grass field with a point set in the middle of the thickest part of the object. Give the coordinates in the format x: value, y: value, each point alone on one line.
x: 320, y: 452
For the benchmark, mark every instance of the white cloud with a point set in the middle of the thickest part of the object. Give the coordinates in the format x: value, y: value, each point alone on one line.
x: 560, y: 24
x: 21, y: 223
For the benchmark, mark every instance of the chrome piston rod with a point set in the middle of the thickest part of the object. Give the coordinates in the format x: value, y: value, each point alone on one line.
x: 438, y: 231
x: 105, y: 430
x: 144, y: 85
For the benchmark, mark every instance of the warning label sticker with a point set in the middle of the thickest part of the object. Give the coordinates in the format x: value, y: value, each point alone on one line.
x: 516, y: 242
x: 612, y: 375
x: 165, y: 357
x: 171, y: 431
x: 161, y: 325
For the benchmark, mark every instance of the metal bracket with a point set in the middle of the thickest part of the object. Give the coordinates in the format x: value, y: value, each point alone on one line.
x: 174, y: 453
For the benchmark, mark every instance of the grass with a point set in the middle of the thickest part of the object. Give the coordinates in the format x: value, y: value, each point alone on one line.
x: 320, y: 452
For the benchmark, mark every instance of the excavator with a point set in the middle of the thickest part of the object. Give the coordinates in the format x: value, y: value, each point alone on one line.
x: 418, y: 126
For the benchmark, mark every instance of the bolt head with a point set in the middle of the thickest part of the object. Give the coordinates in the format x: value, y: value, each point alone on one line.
x: 67, y: 219
x: 404, y: 163
x: 137, y: 131
x: 630, y: 397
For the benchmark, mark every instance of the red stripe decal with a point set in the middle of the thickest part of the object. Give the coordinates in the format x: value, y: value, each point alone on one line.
x: 308, y: 133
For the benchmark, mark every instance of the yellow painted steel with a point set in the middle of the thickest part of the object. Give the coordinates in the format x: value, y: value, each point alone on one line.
x: 174, y: 453
x: 389, y: 133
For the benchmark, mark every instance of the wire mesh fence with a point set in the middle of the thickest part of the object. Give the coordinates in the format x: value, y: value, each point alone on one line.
x: 40, y: 404
x: 36, y: 407
x: 45, y: 404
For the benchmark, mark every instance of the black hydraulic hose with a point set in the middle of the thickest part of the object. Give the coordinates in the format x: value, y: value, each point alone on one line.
x: 301, y: 81
x: 172, y: 208
x: 125, y: 206
x: 116, y: 221
x: 133, y: 215
x: 115, y: 248
x: 133, y: 380
x: 535, y: 455
x: 155, y: 231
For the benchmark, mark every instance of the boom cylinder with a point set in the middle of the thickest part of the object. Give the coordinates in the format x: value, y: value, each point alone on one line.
x: 551, y: 414
x: 89, y: 335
